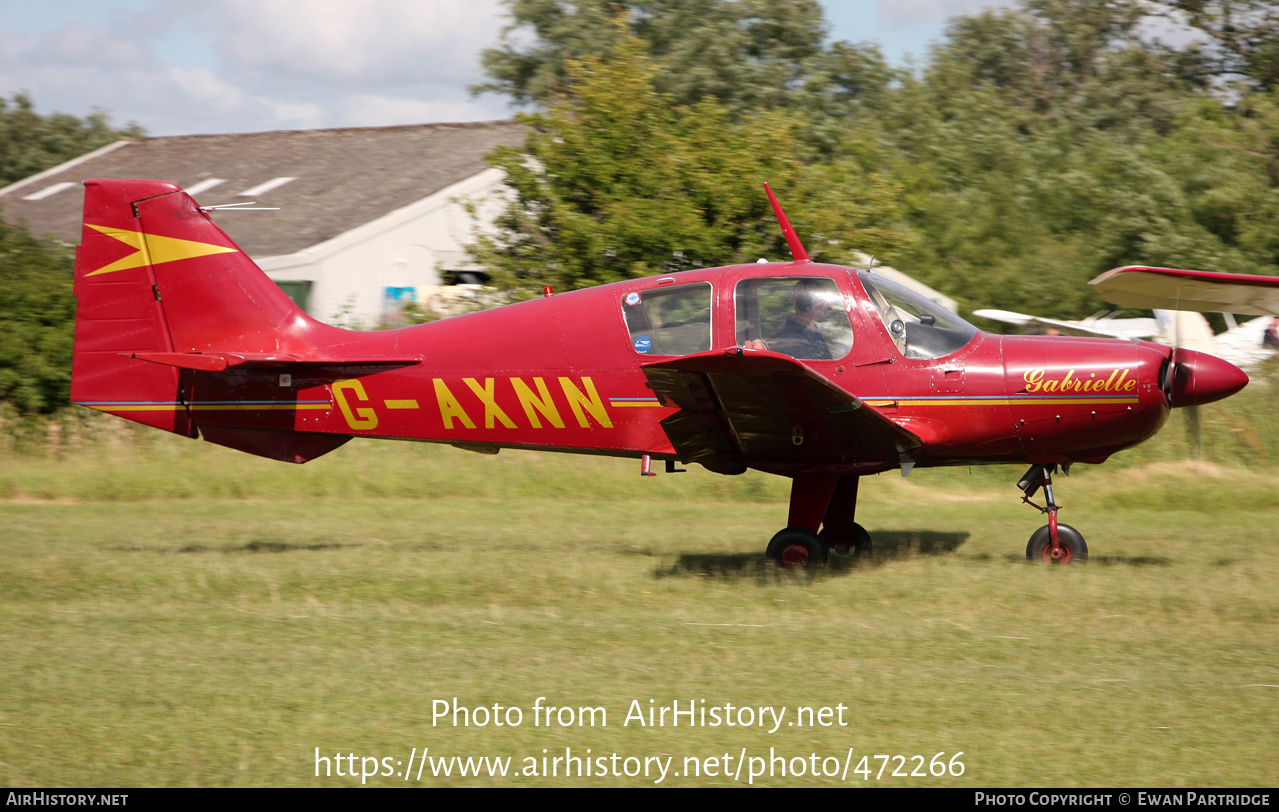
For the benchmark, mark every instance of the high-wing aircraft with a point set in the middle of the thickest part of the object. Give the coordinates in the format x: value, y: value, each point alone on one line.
x: 816, y: 372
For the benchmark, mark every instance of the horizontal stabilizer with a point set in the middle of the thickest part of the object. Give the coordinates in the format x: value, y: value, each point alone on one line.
x: 1203, y: 291
x: 219, y: 361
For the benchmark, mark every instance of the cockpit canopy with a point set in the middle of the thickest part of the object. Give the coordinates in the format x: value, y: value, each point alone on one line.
x: 805, y: 317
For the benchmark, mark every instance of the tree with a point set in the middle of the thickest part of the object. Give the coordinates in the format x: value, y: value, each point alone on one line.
x: 31, y: 143
x: 1243, y: 38
x: 37, y: 317
x: 1227, y: 163
x: 1046, y: 143
x: 1041, y: 144
x: 748, y: 55
x: 1078, y: 60
x: 616, y: 182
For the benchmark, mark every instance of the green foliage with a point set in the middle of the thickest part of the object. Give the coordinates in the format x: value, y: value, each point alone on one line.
x: 37, y: 308
x: 1243, y: 38
x: 37, y: 316
x: 31, y: 143
x: 748, y: 55
x: 1040, y: 145
x: 1047, y: 143
x: 615, y: 182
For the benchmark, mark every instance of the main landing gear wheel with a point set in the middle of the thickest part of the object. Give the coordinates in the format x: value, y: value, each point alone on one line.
x: 1070, y: 546
x: 860, y: 546
x: 797, y: 548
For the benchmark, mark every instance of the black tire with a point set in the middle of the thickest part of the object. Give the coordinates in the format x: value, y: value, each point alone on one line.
x: 861, y: 544
x: 1070, y: 541
x: 797, y: 548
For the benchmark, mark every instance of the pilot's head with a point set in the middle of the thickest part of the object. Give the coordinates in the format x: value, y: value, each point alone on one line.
x: 811, y: 298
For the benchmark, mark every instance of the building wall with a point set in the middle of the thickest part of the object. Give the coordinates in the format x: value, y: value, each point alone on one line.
x: 407, y: 248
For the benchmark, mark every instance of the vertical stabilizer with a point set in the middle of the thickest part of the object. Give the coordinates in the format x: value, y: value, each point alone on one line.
x: 154, y: 274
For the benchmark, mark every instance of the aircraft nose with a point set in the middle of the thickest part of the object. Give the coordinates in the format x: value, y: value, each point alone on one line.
x: 1199, y: 378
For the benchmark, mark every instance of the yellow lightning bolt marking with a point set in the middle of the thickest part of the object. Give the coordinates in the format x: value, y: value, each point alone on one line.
x: 152, y: 249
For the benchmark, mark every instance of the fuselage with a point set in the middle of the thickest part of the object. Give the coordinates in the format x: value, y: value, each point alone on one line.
x: 565, y: 373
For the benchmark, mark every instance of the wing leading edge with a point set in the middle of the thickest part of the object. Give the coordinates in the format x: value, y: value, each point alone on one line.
x: 747, y: 407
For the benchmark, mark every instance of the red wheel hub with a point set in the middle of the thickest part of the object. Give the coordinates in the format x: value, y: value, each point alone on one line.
x: 795, y: 555
x: 1059, y: 556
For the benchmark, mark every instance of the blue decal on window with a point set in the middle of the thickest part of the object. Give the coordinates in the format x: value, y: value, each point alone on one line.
x: 643, y: 344
x: 632, y: 298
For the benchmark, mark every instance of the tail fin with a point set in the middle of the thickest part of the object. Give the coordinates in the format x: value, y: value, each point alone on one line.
x: 162, y: 291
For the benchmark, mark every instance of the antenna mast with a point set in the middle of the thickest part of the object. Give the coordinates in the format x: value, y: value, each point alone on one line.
x: 797, y: 251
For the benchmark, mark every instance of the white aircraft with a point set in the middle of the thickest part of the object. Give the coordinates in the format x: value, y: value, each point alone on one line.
x: 1174, y: 295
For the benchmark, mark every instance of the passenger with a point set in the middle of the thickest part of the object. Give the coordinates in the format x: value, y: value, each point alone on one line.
x: 799, y: 338
x: 1270, y: 340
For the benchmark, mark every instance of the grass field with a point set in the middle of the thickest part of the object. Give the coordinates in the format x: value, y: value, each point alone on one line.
x: 173, y: 613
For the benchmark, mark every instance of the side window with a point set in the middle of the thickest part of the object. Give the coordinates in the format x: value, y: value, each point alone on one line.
x: 801, y: 316
x: 669, y: 321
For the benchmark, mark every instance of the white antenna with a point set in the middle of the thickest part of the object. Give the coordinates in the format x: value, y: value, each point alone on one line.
x: 239, y: 207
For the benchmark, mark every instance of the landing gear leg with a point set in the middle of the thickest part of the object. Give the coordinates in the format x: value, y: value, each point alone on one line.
x: 841, y: 534
x: 799, y: 546
x: 1053, y: 543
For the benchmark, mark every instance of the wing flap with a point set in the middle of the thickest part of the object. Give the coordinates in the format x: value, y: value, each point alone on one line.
x: 748, y: 406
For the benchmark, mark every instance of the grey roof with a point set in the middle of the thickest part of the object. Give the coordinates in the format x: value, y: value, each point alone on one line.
x: 342, y: 178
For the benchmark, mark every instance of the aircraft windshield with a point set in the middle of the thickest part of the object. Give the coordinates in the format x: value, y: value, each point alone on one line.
x: 920, y: 328
x: 669, y: 321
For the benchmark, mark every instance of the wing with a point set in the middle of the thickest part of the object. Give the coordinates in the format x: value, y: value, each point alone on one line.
x: 1103, y: 326
x: 754, y: 406
x: 1205, y: 291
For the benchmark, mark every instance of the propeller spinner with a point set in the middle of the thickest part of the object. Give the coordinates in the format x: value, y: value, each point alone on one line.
x: 1193, y: 378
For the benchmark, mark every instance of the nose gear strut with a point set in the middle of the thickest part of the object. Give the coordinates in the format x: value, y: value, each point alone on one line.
x: 1054, y: 543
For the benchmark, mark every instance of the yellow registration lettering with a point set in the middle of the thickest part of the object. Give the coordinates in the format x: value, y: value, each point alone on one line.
x: 450, y: 409
x: 541, y: 402
x: 492, y: 411
x: 362, y: 418
x: 590, y: 400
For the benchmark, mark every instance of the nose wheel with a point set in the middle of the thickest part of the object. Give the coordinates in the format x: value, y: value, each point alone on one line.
x: 1053, y: 543
x: 1070, y: 546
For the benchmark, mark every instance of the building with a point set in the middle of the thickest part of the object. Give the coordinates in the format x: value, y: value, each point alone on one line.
x: 367, y: 219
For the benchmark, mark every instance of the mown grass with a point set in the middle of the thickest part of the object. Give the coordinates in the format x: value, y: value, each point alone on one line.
x: 173, y: 613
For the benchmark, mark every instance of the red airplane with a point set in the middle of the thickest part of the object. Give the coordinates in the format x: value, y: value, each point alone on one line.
x: 820, y: 373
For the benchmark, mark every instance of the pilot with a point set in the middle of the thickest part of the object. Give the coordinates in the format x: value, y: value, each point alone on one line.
x: 799, y: 338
